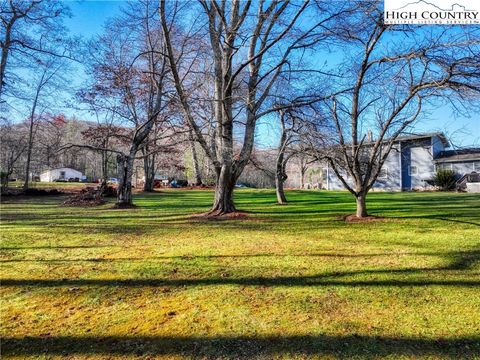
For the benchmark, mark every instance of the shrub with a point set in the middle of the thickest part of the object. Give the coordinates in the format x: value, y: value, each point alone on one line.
x: 3, y: 177
x: 445, y: 180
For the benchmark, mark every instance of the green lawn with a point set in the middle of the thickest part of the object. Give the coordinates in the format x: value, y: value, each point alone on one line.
x: 290, y: 282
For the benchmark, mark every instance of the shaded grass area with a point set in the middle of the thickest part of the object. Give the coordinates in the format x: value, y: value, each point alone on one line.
x: 251, y: 347
x: 287, y: 282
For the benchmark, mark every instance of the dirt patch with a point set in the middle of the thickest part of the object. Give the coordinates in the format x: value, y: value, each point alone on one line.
x: 236, y: 215
x: 86, y: 197
x: 354, y: 219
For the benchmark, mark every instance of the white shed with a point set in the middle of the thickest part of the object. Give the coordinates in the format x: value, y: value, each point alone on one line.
x: 61, y: 174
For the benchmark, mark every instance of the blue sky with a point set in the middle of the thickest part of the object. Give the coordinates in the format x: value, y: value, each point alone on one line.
x: 88, y: 18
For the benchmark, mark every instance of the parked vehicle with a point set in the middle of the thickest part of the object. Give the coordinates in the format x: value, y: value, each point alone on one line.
x: 178, y: 183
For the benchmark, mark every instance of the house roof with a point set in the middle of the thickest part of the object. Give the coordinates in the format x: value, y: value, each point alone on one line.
x: 411, y: 137
x: 440, y: 135
x: 467, y: 154
x: 60, y: 168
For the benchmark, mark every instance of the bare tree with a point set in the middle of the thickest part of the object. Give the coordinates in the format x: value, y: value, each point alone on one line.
x: 49, y: 81
x: 104, y: 136
x: 391, y: 71
x: 129, y: 72
x: 13, y: 147
x: 30, y: 29
x: 252, y: 45
x: 197, y: 175
x: 289, y: 146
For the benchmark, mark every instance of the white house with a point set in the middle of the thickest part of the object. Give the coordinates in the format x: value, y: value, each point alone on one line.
x: 61, y: 174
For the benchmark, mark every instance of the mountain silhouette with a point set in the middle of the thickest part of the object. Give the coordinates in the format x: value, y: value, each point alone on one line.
x: 429, y: 3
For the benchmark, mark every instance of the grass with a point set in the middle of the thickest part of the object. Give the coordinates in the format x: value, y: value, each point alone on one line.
x: 289, y: 282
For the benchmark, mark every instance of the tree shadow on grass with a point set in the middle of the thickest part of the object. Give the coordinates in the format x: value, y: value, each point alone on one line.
x: 442, y: 218
x: 327, y: 280
x: 458, y: 261
x: 244, y: 347
x: 464, y: 260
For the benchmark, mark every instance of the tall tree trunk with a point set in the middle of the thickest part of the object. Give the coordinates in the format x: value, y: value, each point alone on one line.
x: 281, y: 198
x: 104, y: 168
x: 303, y: 170
x: 125, y: 172
x: 196, y: 167
x: 149, y: 170
x: 223, y: 202
x: 361, y: 206
x: 29, y: 155
x: 280, y: 177
x: 41, y: 83
x: 30, y: 144
x: 5, y: 50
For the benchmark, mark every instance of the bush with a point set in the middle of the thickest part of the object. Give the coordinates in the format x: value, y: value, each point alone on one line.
x: 3, y: 178
x: 445, y: 180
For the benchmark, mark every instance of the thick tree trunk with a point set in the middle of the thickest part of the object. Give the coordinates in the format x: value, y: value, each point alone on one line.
x: 281, y: 199
x: 149, y: 183
x: 125, y: 172
x: 361, y: 206
x: 223, y: 202
x: 149, y: 170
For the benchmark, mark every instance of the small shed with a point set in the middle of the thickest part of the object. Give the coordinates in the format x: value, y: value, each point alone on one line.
x: 61, y: 174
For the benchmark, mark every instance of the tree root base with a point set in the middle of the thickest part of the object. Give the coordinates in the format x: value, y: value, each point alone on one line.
x: 355, y: 219
x: 220, y: 215
x: 124, y: 206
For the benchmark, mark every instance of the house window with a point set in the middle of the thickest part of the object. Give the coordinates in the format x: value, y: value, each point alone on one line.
x: 476, y: 166
x: 412, y: 170
x: 383, y: 174
x: 62, y: 174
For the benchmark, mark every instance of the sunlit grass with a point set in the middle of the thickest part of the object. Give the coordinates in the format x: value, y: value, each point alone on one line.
x: 289, y: 281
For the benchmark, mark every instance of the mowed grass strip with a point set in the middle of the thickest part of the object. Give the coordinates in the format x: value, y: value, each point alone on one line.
x: 289, y: 282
